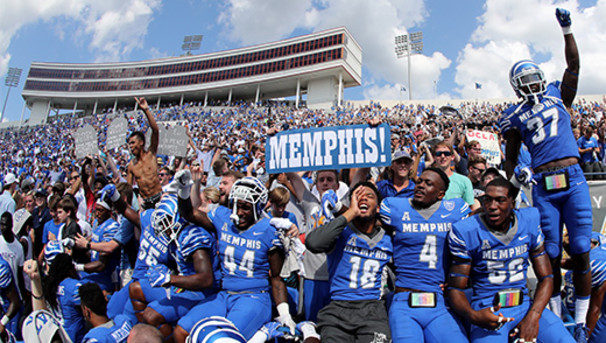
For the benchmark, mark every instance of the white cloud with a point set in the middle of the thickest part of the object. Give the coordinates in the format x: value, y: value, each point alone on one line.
x: 374, y: 24
x: 113, y: 27
x: 514, y: 30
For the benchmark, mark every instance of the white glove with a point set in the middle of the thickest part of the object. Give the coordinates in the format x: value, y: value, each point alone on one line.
x: 280, y: 223
x: 183, y: 182
x: 284, y: 317
x: 68, y: 242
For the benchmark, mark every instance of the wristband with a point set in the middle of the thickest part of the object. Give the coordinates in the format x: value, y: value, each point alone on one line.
x: 283, y: 309
x: 5, y: 319
x: 566, y: 30
x: 79, y: 267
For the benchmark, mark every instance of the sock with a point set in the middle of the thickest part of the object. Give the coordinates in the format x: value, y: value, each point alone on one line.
x: 555, y: 305
x: 581, y: 307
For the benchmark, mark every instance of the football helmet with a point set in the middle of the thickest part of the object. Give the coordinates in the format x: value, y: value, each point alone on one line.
x: 166, y: 220
x: 42, y: 326
x: 251, y: 190
x: 215, y: 329
x: 523, y: 76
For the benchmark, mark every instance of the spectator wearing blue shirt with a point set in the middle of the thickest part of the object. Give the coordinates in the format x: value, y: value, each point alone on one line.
x: 589, y: 150
x: 398, y: 182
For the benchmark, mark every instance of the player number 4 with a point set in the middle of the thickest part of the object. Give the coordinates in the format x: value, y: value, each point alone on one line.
x: 429, y: 252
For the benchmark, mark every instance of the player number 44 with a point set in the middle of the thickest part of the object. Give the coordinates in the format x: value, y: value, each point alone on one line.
x: 246, y: 265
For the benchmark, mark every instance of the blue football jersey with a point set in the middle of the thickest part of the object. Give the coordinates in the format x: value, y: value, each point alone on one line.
x: 496, y: 265
x: 152, y: 250
x: 190, y: 239
x: 116, y: 333
x: 244, y: 254
x: 6, y: 279
x: 68, y: 311
x: 597, y: 260
x: 104, y: 233
x: 544, y: 127
x: 419, y: 240
x: 356, y: 265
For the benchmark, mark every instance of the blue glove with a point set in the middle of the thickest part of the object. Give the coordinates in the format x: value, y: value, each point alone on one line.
x: 330, y: 204
x: 522, y: 177
x: 563, y: 17
x: 109, y: 193
x: 159, y: 276
x: 274, y: 330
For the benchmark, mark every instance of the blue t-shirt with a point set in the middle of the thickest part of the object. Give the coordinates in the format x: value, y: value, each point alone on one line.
x: 585, y: 143
x: 356, y: 264
x: 496, y: 265
x: 51, y: 227
x: 387, y: 189
x: 244, y: 254
x: 419, y: 243
x: 544, y: 127
x: 116, y: 333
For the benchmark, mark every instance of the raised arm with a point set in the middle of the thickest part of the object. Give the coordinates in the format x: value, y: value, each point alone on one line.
x: 570, y: 79
x: 153, y: 146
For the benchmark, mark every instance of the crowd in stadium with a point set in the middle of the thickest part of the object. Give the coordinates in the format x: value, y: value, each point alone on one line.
x: 133, y: 245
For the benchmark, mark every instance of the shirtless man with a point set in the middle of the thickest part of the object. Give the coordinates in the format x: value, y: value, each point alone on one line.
x: 143, y: 168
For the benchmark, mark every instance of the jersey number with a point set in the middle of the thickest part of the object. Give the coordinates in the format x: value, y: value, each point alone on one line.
x: 514, y: 270
x: 148, y: 253
x: 536, y: 124
x: 246, y: 265
x: 429, y: 252
x: 369, y: 272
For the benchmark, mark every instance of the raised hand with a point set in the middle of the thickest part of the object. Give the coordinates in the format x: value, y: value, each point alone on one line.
x: 563, y: 17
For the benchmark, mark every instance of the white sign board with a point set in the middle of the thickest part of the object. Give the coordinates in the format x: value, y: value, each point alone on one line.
x: 491, y: 149
x: 116, y: 133
x: 86, y: 142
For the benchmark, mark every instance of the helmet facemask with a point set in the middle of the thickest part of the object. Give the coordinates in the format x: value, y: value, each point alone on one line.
x: 528, y: 81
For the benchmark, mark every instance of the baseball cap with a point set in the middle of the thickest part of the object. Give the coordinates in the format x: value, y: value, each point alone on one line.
x: 28, y: 181
x: 9, y: 179
x: 41, y: 192
x: 400, y: 154
x: 19, y: 219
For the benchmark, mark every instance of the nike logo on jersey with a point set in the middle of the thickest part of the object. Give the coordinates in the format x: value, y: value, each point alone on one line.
x: 522, y: 238
x: 444, y: 215
x: 257, y: 233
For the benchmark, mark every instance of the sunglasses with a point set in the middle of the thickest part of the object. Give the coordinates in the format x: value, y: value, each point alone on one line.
x: 443, y: 153
x: 74, y: 177
x: 162, y: 174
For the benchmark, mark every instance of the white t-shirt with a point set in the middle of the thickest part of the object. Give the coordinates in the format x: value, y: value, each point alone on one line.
x: 13, y: 254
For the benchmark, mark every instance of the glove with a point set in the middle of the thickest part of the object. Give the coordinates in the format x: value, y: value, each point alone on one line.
x: 109, y: 193
x: 68, y: 242
x: 272, y: 330
x: 159, y: 276
x: 284, y: 317
x: 330, y: 204
x: 308, y: 329
x: 563, y: 17
x: 183, y: 181
x: 280, y: 223
x: 522, y: 177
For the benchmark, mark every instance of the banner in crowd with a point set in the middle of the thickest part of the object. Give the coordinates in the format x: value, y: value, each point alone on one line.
x: 172, y: 141
x: 336, y: 147
x: 116, y: 133
x: 85, y: 139
x: 491, y: 149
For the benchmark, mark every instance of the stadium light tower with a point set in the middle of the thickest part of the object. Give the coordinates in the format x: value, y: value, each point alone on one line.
x: 407, y: 45
x: 12, y: 80
x: 191, y: 43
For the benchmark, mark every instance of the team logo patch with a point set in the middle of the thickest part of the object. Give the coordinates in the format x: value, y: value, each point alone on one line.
x: 485, y: 245
x: 352, y: 241
x: 449, y: 205
x: 379, y: 338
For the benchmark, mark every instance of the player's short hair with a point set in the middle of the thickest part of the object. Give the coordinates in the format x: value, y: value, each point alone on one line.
x: 442, y: 175
x: 235, y: 174
x: 512, y: 192
x: 367, y: 184
x: 92, y: 297
x: 279, y: 196
x: 137, y: 134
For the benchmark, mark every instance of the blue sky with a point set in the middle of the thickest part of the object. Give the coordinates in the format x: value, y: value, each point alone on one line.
x: 464, y: 41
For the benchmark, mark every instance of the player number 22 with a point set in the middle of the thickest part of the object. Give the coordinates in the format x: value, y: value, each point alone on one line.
x: 537, y: 125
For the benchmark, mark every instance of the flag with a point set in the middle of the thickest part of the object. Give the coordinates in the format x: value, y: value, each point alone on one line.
x: 402, y: 89
x: 478, y: 85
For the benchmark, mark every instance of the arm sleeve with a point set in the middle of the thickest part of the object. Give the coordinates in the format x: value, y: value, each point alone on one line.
x: 323, y: 238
